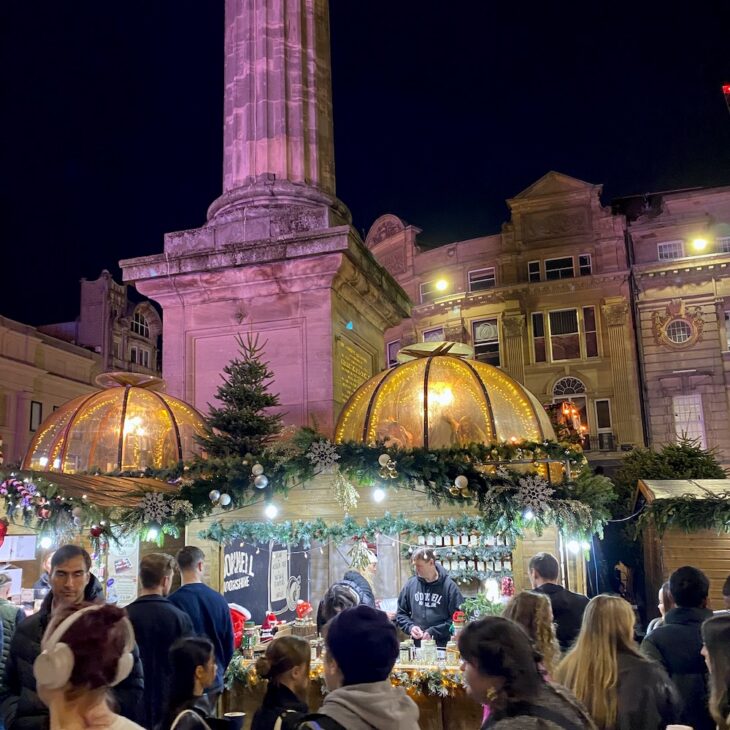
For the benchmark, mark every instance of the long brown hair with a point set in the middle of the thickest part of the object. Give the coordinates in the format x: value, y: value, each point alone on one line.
x: 590, y: 669
x: 534, y: 612
x: 716, y: 637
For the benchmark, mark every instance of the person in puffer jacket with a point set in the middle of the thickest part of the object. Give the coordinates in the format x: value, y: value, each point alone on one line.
x: 353, y: 590
x: 72, y: 583
x: 428, y: 600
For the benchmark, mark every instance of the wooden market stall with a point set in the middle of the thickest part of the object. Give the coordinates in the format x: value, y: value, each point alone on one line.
x: 708, y: 550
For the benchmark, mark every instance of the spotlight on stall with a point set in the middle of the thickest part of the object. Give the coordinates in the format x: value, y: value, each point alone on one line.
x: 528, y: 515
x: 378, y: 495
x: 271, y: 511
x: 46, y: 542
x: 574, y: 547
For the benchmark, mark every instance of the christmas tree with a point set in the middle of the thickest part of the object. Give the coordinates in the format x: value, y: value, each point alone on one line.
x: 241, y: 424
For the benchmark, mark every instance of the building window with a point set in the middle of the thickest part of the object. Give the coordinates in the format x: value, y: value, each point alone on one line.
x: 603, y: 415
x: 434, y: 335
x: 430, y: 291
x: 485, y: 336
x: 678, y: 331
x: 571, y: 390
x: 538, y: 336
x: 585, y: 265
x: 568, y: 386
x: 727, y: 331
x: 481, y: 279
x: 36, y: 414
x: 133, y: 355
x: 391, y: 352
x: 723, y: 244
x: 689, y: 419
x: 564, y: 336
x: 559, y: 268
x: 670, y: 250
x: 533, y: 271
x: 144, y: 358
x: 140, y: 326
x: 589, y: 327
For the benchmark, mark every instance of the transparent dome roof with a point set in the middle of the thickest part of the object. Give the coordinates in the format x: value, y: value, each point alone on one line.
x: 126, y: 426
x: 439, y: 401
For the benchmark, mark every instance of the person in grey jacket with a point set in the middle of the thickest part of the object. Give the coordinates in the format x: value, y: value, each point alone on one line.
x: 428, y: 600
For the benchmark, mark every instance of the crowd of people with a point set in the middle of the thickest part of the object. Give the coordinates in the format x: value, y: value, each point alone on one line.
x: 553, y: 661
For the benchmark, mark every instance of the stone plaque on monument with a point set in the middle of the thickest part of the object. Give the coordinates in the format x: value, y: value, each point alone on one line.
x: 354, y: 367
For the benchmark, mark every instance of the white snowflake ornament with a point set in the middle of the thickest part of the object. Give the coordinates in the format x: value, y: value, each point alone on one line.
x: 534, y: 492
x: 154, y: 507
x: 323, y: 455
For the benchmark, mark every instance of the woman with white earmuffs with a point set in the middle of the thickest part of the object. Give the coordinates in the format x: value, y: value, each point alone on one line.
x: 84, y: 653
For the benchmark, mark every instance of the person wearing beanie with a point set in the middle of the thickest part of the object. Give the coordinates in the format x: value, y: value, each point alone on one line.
x: 361, y: 648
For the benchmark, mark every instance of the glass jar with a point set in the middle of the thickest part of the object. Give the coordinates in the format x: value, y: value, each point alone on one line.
x: 452, y: 654
x: 404, y: 656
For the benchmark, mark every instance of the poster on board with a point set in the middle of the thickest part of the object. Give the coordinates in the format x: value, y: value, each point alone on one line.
x: 123, y: 570
x: 266, y: 577
x: 18, y: 547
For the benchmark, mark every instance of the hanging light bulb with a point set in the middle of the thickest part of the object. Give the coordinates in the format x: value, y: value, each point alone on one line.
x: 271, y: 511
x: 46, y: 542
x: 378, y: 495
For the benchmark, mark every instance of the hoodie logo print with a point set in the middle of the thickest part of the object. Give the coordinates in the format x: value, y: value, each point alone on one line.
x: 429, y: 600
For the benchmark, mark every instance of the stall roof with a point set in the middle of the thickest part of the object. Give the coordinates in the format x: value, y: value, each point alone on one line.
x: 652, y: 489
x: 107, y: 491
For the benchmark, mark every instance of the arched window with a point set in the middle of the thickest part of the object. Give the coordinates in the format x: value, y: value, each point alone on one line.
x: 568, y: 386
x: 139, y: 325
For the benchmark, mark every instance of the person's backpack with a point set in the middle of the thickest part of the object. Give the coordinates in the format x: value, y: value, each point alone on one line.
x: 312, y: 721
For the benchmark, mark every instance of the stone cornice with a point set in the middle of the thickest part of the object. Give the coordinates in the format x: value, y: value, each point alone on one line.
x: 713, y: 263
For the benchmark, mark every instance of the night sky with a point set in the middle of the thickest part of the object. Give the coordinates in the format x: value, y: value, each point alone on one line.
x: 112, y: 118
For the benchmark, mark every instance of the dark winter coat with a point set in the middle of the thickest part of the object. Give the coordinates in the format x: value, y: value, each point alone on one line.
x: 554, y: 708
x: 10, y: 616
x: 158, y: 624
x: 430, y: 606
x: 196, y: 714
x: 211, y: 617
x: 21, y: 707
x: 676, y: 645
x: 647, y: 699
x: 568, y: 608
x: 352, y: 579
x: 277, y: 701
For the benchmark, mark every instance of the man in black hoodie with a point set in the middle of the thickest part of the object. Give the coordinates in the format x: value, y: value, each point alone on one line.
x: 428, y: 600
x: 72, y: 584
x: 677, y: 644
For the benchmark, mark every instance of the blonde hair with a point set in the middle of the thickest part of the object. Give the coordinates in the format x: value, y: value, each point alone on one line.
x: 534, y: 612
x: 590, y: 669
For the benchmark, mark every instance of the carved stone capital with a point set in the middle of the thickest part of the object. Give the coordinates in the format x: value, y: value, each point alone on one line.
x: 514, y: 325
x: 615, y: 313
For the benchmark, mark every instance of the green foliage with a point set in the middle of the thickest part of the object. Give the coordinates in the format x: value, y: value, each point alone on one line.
x: 479, y: 606
x: 241, y: 424
x: 688, y: 513
x: 683, y: 460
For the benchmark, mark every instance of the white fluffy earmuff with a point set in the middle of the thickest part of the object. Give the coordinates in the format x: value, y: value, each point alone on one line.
x: 55, y: 664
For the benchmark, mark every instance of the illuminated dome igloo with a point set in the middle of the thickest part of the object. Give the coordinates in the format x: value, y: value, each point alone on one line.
x: 439, y: 400
x: 126, y: 426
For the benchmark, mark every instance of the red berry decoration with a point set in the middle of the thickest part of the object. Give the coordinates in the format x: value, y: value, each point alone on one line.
x: 96, y: 531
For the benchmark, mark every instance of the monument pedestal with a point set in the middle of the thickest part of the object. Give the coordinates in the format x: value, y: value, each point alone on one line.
x: 318, y: 301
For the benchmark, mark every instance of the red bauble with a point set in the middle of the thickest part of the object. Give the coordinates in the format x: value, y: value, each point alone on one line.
x: 3, y: 530
x: 96, y: 531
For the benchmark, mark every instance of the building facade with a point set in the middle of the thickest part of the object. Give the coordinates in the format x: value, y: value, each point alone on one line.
x: 38, y: 373
x: 126, y: 334
x: 680, y: 248
x: 547, y: 300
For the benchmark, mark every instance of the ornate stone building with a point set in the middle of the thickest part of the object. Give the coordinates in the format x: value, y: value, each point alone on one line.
x: 547, y: 300
x: 125, y: 333
x: 680, y: 248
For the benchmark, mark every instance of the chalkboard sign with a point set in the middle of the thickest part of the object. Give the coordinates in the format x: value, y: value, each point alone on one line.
x: 266, y: 577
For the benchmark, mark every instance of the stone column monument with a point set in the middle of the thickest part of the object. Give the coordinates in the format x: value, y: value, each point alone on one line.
x: 277, y: 256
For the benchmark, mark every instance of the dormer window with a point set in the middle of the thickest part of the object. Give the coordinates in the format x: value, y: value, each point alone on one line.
x: 140, y: 326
